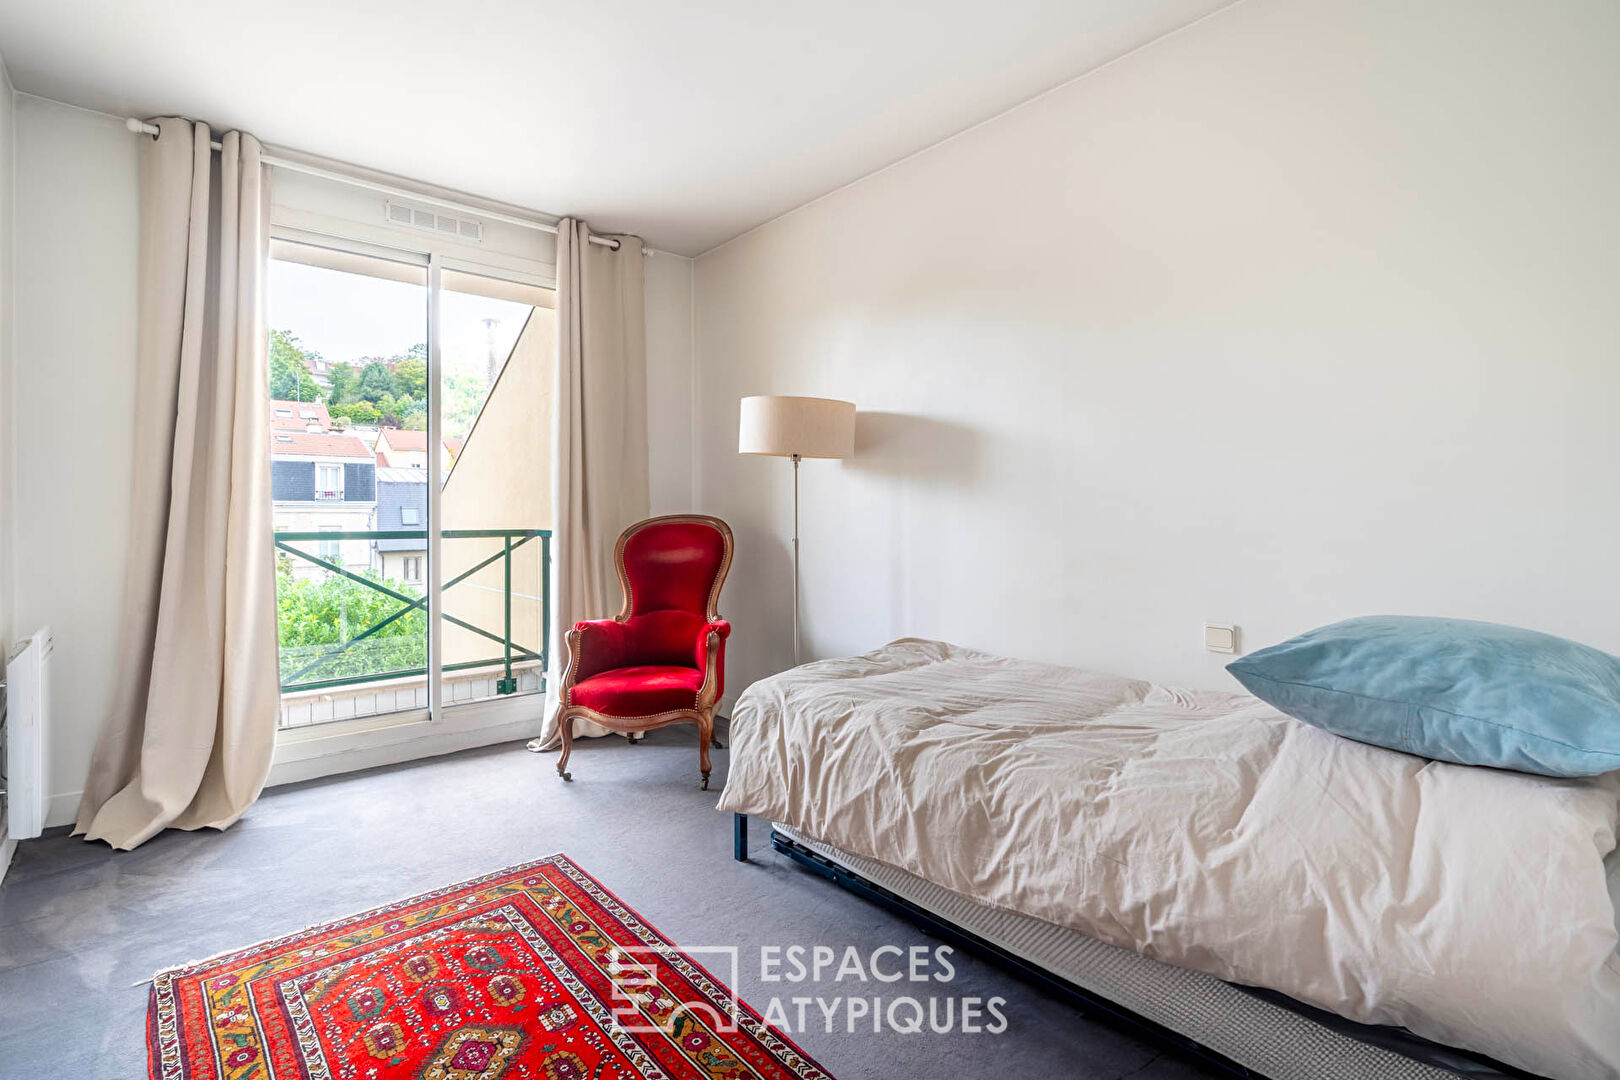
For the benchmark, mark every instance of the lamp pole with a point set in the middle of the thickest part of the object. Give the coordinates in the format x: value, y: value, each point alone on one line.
x: 796, y: 560
x: 779, y: 425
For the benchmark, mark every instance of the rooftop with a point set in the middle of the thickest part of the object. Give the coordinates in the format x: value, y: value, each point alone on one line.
x: 402, y: 439
x: 316, y: 444
x: 298, y: 415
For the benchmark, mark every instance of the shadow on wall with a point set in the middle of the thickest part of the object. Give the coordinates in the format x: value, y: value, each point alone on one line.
x: 920, y: 472
x: 762, y: 632
x: 917, y: 449
x: 898, y: 450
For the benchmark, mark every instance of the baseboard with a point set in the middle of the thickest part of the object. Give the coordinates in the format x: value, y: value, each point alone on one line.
x: 350, y: 753
x: 62, y: 809
x: 8, y: 848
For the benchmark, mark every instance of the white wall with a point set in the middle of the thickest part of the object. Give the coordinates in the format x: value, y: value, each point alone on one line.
x: 668, y: 296
x: 8, y: 143
x: 1307, y: 311
x: 73, y: 425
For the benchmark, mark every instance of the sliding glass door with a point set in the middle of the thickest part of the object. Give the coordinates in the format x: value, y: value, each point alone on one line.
x: 410, y: 415
x: 498, y: 341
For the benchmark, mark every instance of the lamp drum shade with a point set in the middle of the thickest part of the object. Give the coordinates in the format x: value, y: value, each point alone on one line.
x: 810, y: 427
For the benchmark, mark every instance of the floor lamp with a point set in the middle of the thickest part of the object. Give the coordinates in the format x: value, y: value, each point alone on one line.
x: 796, y: 427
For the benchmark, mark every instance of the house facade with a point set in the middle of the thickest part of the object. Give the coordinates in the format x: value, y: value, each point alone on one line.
x: 402, y: 505
x: 399, y: 448
x: 323, y: 483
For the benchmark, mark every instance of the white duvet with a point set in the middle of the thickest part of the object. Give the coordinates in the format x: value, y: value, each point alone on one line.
x: 1208, y: 830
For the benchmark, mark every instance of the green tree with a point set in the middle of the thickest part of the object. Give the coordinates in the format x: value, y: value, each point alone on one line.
x: 392, y: 411
x: 359, y: 412
x: 410, y: 379
x: 290, y: 376
x: 341, y: 377
x: 375, y: 383
x: 463, y: 396
x: 316, y: 614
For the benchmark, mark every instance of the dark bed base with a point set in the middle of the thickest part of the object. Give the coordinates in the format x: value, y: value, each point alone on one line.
x: 1086, y: 1002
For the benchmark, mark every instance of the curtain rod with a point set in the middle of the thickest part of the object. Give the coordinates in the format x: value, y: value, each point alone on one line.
x: 141, y: 127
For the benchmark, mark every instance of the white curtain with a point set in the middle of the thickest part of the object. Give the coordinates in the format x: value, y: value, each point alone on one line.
x: 189, y: 740
x: 599, y: 471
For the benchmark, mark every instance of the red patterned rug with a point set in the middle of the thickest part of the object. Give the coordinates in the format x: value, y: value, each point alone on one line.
x: 536, y: 972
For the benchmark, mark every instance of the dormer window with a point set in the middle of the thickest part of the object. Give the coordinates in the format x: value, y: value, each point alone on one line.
x: 328, y: 481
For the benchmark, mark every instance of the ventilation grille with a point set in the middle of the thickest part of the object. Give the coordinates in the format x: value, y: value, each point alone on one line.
x: 452, y: 228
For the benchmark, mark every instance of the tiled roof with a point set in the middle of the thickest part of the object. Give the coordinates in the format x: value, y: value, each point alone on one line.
x: 400, y: 439
x: 312, y: 444
x: 295, y: 419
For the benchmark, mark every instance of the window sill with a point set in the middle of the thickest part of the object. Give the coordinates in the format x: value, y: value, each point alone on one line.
x: 347, y: 746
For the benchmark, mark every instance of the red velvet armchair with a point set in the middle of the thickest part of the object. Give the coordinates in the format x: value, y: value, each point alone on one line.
x: 662, y: 659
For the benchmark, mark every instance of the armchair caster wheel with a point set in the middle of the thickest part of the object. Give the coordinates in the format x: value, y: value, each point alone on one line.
x: 567, y: 776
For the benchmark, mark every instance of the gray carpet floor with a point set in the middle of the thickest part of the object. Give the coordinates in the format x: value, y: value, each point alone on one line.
x: 81, y: 926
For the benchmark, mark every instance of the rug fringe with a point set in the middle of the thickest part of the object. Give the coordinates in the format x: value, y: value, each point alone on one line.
x: 331, y: 924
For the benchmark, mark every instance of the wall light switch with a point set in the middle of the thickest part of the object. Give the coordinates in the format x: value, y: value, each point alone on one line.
x: 1220, y: 637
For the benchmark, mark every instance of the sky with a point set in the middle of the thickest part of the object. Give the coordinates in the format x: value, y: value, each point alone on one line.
x: 345, y: 316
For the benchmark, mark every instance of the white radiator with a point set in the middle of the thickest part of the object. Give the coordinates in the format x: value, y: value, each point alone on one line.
x: 28, y: 701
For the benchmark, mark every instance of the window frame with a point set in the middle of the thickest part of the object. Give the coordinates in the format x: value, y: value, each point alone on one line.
x: 330, y: 550
x: 333, y: 493
x: 406, y: 734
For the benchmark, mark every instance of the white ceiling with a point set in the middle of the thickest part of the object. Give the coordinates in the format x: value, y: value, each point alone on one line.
x: 685, y: 122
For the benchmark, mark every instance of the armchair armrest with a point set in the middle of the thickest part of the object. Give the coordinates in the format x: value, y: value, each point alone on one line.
x: 714, y: 682
x: 718, y: 626
x: 598, y: 645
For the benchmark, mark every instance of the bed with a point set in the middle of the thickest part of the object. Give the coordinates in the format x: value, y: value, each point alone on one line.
x: 1203, y: 842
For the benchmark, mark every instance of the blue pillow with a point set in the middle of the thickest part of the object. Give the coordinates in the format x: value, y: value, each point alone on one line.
x: 1470, y: 692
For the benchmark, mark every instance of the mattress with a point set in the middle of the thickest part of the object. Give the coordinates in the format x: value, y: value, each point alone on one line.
x: 1211, y: 833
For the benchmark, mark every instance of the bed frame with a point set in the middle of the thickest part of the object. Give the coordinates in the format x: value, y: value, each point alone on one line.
x: 1443, y: 1061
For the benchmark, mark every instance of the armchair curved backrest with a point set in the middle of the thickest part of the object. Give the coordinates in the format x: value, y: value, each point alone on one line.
x: 673, y: 563
x: 671, y: 570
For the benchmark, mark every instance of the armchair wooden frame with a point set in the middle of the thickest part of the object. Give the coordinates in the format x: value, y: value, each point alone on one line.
x: 702, y: 711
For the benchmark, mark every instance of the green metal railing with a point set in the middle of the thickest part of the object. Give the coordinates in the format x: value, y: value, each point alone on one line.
x: 511, y: 540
